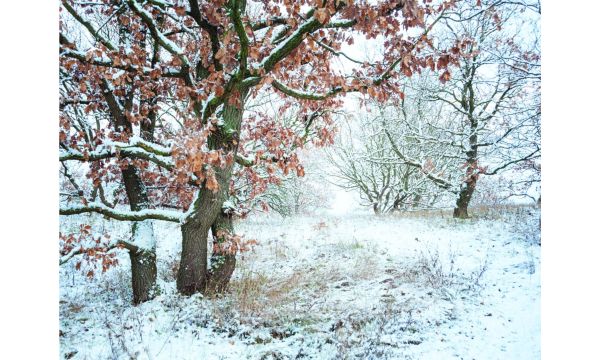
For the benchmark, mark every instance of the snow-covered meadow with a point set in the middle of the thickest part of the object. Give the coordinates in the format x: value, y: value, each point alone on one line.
x: 345, y: 286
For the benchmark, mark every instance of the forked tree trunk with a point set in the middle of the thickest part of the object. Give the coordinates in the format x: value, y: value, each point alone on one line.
x: 192, y: 275
x: 222, y: 264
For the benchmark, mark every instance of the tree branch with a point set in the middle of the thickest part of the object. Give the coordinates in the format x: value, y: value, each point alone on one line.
x: 145, y: 214
x: 106, y: 42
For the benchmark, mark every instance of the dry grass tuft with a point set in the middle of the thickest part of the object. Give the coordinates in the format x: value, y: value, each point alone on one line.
x: 478, y: 211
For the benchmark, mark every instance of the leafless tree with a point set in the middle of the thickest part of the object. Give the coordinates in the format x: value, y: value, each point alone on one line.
x: 485, y: 118
x: 364, y: 164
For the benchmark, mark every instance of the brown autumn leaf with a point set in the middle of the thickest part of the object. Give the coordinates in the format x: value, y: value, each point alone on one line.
x: 219, y: 90
x: 220, y: 54
x: 322, y: 15
x: 211, y: 182
x: 445, y: 76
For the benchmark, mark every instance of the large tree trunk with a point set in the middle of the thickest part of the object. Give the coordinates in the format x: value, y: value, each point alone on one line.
x: 191, y: 277
x: 464, y: 198
x: 222, y: 264
x: 143, y: 275
x: 208, y: 204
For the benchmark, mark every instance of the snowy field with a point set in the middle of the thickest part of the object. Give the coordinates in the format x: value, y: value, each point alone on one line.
x: 351, y: 286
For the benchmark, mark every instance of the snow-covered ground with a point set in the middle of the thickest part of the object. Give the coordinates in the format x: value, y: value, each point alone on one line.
x: 338, y: 286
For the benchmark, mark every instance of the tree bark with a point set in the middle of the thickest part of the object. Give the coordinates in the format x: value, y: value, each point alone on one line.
x: 142, y: 248
x: 142, y: 253
x: 464, y: 198
x: 376, y: 208
x: 468, y: 188
x: 222, y: 264
x: 191, y: 277
x: 143, y: 275
x: 193, y: 272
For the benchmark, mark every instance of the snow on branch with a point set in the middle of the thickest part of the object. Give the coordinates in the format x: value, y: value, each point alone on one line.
x: 241, y: 32
x: 444, y: 184
x: 136, y: 148
x: 140, y: 149
x: 106, y: 62
x: 304, y: 95
x: 123, y: 215
x: 289, y: 44
x: 106, y: 42
x: 167, y: 44
x: 531, y: 155
x: 264, y: 23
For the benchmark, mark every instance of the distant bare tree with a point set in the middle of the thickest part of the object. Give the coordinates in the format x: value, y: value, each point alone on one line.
x: 485, y: 118
x: 383, y: 182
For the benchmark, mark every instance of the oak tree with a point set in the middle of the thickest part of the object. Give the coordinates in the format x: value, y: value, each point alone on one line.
x: 154, y: 103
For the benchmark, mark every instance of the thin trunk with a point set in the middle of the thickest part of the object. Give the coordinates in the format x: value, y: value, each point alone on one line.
x: 376, y: 209
x: 143, y: 257
x: 416, y: 201
x: 222, y: 263
x: 142, y: 247
x: 142, y: 251
x: 143, y: 262
x: 468, y: 188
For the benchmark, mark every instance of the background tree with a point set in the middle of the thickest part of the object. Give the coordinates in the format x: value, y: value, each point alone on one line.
x: 366, y: 164
x: 170, y: 87
x: 494, y: 92
x: 484, y: 118
x: 295, y: 195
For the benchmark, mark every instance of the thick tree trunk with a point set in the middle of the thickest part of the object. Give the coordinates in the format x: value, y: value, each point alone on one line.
x: 222, y: 264
x: 464, y: 198
x: 143, y: 275
x: 191, y: 277
x: 193, y: 272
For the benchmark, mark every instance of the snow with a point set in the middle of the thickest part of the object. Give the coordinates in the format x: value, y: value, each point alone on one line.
x: 144, y: 214
x: 143, y: 235
x: 118, y: 74
x: 329, y: 286
x: 168, y: 44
